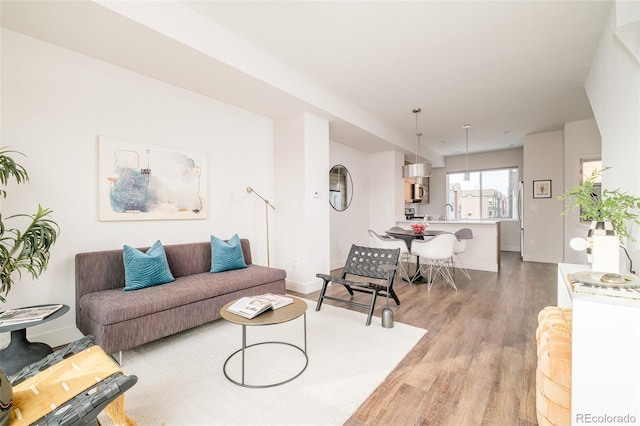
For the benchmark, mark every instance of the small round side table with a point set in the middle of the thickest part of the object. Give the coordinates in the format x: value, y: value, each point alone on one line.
x: 271, y: 317
x: 21, y: 352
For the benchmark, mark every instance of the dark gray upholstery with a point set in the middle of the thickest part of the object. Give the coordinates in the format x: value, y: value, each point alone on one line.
x: 121, y: 320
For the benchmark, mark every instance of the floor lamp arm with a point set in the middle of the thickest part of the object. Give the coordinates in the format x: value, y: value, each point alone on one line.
x: 267, y: 204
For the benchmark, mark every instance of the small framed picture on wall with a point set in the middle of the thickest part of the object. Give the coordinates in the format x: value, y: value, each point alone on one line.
x: 542, y: 188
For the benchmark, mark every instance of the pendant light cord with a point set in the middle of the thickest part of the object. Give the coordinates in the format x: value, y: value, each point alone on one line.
x: 466, y: 169
x: 416, y: 111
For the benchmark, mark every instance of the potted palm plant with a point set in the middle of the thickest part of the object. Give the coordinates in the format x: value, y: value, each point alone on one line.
x: 26, y: 248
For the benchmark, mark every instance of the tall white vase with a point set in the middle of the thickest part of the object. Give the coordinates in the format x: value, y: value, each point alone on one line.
x: 603, y: 247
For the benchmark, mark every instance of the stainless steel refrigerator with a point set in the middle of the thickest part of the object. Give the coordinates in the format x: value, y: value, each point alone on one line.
x: 521, y: 217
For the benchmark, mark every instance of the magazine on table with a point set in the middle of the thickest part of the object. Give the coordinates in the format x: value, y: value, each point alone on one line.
x: 15, y: 316
x: 251, y: 307
x: 277, y: 300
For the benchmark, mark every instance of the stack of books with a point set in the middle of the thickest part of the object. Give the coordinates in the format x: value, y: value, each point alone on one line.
x: 588, y: 282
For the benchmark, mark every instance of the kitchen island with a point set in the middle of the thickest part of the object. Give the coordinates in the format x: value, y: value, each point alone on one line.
x: 483, y: 251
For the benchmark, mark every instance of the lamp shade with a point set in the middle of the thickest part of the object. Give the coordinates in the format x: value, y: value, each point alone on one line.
x: 416, y: 170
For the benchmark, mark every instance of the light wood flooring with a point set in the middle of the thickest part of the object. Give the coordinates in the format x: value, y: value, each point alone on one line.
x: 476, y: 364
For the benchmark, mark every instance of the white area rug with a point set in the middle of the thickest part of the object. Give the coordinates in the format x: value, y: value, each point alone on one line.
x: 181, y: 381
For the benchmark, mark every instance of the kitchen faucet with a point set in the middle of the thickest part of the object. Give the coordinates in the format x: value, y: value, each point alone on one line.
x: 445, y: 209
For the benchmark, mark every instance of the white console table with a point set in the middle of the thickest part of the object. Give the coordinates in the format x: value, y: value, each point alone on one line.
x: 605, y: 378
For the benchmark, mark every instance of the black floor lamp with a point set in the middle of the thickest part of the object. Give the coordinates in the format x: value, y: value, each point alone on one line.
x: 267, y: 204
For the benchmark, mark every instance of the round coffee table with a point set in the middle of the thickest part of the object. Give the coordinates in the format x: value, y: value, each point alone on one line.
x: 21, y: 352
x: 287, y: 313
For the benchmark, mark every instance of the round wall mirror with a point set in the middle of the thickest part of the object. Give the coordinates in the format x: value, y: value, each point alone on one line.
x: 340, y: 187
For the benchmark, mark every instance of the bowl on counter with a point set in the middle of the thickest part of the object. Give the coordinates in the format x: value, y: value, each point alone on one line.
x: 418, y: 228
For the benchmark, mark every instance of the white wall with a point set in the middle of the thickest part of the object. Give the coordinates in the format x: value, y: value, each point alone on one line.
x: 288, y: 216
x: 349, y: 226
x: 316, y: 232
x: 54, y: 105
x: 378, y: 198
x: 386, y: 190
x: 302, y: 215
x: 581, y: 141
x: 543, y: 222
x: 613, y: 88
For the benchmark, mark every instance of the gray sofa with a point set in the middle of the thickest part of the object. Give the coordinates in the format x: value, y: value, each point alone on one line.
x: 121, y: 320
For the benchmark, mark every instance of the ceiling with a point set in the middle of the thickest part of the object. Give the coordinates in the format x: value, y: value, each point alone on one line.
x: 508, y: 68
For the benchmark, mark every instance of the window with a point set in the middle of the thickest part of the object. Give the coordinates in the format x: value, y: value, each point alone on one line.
x: 489, y: 194
x: 587, y: 167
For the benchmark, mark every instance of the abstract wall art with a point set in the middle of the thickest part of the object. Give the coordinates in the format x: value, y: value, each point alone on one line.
x: 139, y: 181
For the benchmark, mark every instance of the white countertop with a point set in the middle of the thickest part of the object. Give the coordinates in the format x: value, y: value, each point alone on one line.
x: 454, y: 222
x: 483, y: 251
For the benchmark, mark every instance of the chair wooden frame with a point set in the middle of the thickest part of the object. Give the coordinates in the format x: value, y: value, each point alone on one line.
x: 83, y: 408
x: 364, y: 263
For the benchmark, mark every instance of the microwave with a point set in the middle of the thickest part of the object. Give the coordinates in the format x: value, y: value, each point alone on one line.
x: 416, y: 190
x: 419, y: 193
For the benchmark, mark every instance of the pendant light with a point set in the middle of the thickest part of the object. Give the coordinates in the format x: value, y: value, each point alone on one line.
x: 466, y: 169
x: 417, y: 170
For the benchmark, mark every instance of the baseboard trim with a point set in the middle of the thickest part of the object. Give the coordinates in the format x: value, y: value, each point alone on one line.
x: 304, y: 288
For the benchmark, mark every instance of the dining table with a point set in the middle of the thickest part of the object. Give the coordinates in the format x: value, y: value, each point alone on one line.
x: 408, y: 235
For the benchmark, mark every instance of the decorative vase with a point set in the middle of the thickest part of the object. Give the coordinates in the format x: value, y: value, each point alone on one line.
x: 603, y: 247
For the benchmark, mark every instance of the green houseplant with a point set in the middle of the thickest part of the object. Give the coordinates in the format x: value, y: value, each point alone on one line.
x: 613, y: 206
x: 25, y: 248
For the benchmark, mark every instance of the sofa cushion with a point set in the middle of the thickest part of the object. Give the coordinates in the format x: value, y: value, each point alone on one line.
x: 226, y: 256
x: 113, y: 306
x: 145, y: 269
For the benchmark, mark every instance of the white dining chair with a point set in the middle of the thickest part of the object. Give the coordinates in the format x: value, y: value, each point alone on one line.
x: 389, y: 242
x: 462, y: 237
x: 435, y: 257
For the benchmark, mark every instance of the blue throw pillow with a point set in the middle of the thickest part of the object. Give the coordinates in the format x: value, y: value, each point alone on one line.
x: 226, y: 256
x: 145, y: 269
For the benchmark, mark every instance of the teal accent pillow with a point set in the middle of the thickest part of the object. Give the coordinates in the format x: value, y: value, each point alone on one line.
x: 226, y: 256
x: 145, y: 269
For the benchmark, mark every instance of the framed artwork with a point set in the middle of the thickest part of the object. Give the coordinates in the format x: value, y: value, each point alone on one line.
x: 139, y: 181
x: 542, y: 188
